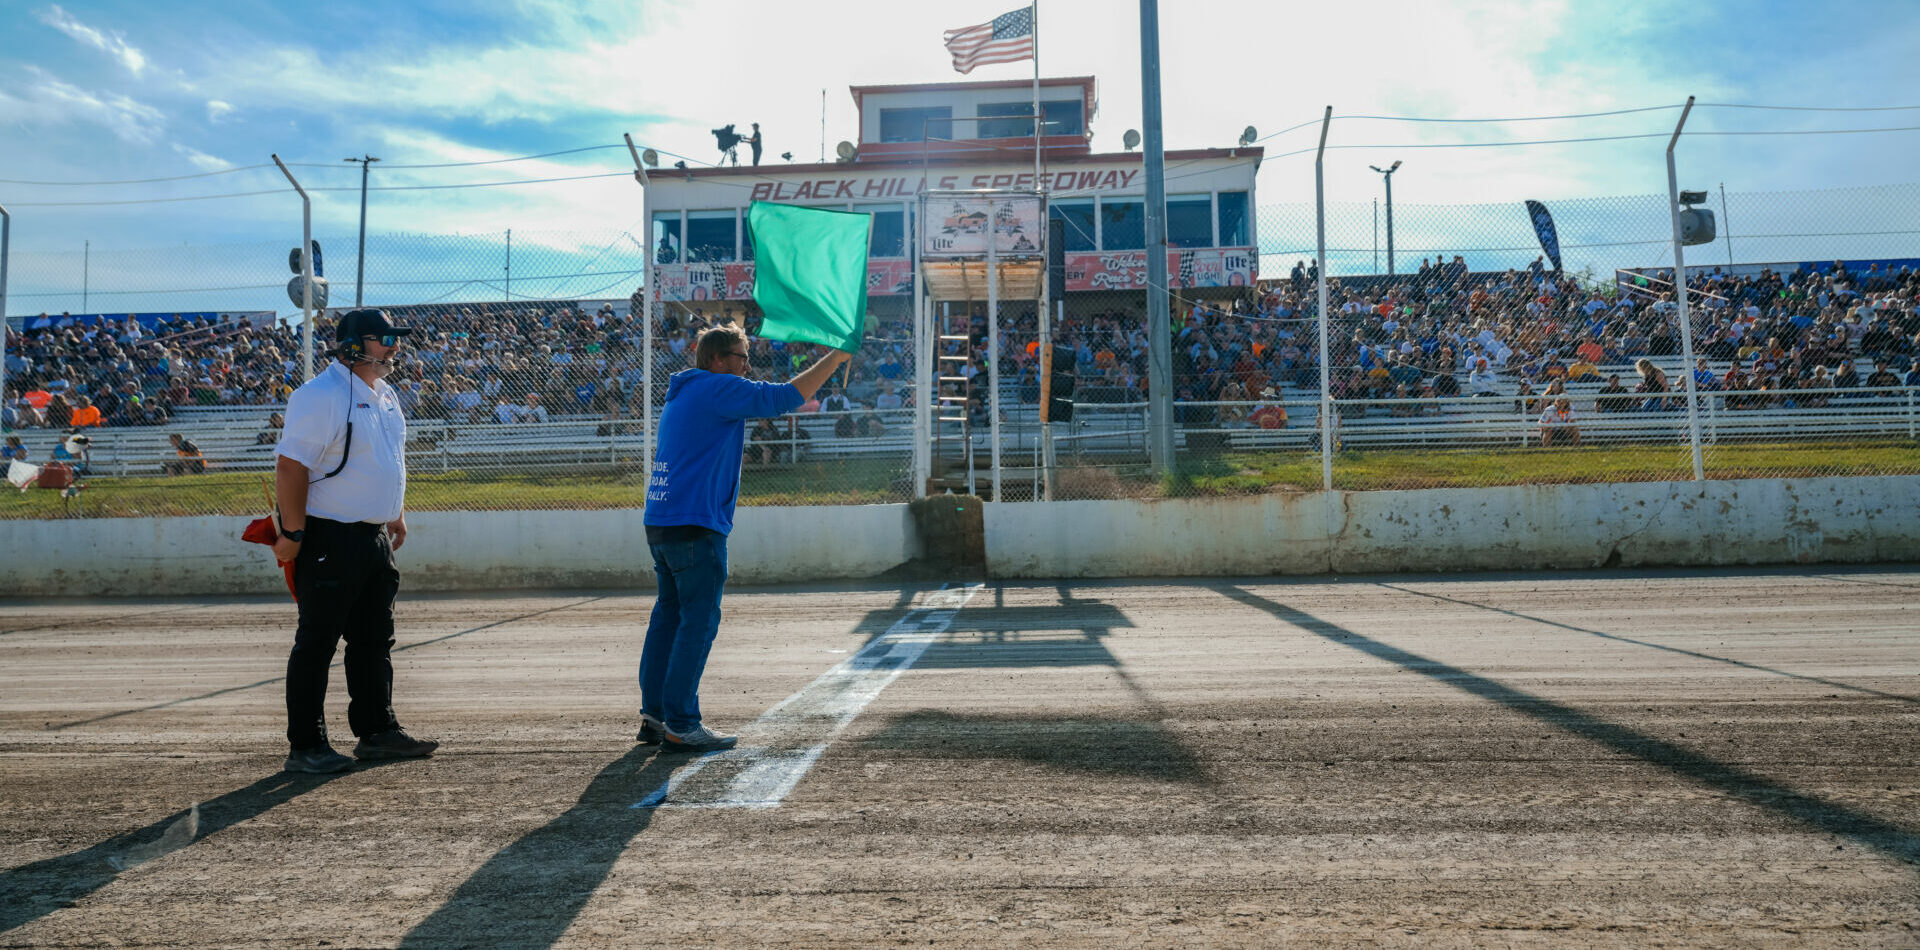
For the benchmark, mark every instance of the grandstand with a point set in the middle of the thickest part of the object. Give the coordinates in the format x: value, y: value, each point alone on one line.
x: 1809, y: 350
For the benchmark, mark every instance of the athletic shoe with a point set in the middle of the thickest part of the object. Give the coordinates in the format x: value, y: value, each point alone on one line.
x: 319, y: 760
x: 393, y: 744
x: 697, y: 739
x: 651, y: 730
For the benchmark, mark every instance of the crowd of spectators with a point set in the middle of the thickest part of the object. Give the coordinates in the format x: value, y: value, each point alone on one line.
x: 1444, y: 331
x: 122, y: 372
x: 1441, y: 331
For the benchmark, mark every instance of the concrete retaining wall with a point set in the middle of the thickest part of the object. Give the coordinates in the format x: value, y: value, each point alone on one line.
x: 447, y: 550
x: 1760, y: 521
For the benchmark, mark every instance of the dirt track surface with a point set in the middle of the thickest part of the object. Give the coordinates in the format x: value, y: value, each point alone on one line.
x: 1568, y: 760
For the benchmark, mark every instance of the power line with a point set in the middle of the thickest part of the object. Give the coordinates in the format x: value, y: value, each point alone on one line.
x: 1522, y: 118
x: 144, y: 201
x: 134, y: 181
x: 1734, y: 105
x: 491, y: 161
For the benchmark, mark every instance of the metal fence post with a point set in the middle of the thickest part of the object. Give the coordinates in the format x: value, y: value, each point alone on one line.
x: 306, y: 273
x: 6, y: 251
x: 993, y: 346
x: 646, y: 320
x: 1326, y: 377
x: 1680, y: 294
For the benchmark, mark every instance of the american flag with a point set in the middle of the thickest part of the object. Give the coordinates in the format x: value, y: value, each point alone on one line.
x: 1008, y: 39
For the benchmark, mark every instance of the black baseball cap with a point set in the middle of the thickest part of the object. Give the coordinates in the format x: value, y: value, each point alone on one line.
x: 355, y: 324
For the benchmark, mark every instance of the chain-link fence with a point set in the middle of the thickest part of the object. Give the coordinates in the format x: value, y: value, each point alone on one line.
x: 1463, y: 356
x: 1457, y: 354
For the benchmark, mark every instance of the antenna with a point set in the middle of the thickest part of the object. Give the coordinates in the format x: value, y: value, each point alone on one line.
x: 846, y: 151
x: 1131, y: 140
x: 651, y: 157
x: 823, y: 126
x: 1247, y: 137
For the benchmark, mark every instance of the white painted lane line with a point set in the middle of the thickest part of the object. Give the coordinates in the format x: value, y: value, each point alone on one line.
x: 791, y: 736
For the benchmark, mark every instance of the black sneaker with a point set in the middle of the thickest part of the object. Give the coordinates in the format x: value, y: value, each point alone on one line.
x: 651, y: 730
x: 697, y: 739
x: 319, y: 760
x: 393, y: 744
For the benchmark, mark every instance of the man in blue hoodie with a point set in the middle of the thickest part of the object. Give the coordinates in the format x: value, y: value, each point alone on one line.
x: 690, y: 499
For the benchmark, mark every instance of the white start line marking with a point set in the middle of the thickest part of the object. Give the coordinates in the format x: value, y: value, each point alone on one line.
x: 792, y: 735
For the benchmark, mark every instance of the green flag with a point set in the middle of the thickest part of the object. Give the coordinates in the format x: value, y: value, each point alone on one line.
x: 810, y: 273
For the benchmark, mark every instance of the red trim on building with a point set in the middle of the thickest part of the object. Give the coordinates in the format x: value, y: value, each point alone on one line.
x: 911, y: 162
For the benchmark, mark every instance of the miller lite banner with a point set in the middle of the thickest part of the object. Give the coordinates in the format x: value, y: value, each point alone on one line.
x: 961, y: 225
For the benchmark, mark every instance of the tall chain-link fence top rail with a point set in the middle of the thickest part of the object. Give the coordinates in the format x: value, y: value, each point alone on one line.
x: 1461, y: 357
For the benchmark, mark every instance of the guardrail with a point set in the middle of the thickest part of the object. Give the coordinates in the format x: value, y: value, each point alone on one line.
x: 1098, y: 429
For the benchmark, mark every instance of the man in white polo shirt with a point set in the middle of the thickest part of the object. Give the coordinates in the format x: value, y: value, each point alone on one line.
x: 341, y: 483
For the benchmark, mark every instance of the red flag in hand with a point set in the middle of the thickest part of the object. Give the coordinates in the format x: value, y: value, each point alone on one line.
x: 262, y: 531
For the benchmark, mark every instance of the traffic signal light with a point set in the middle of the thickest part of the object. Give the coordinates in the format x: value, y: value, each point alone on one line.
x: 1056, y: 390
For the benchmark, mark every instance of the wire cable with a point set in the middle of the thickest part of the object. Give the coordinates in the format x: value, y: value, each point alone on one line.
x: 134, y: 181
x: 1736, y: 105
x: 491, y: 161
x: 1520, y: 118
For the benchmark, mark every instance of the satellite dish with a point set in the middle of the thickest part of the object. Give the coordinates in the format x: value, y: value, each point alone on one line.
x: 1247, y: 137
x: 846, y: 151
x: 1131, y: 139
x: 651, y: 158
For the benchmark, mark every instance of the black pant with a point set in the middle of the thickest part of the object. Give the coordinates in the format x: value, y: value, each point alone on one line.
x: 346, y: 581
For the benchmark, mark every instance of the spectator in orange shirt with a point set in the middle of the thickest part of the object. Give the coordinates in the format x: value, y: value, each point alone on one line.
x: 1591, y: 351
x: 85, y: 415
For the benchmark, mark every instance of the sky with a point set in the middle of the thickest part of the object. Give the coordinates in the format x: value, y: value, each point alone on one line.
x: 112, y: 90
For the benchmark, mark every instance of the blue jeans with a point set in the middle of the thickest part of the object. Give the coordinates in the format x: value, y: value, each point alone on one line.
x: 686, y: 617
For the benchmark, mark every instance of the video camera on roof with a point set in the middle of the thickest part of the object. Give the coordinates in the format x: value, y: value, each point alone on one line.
x: 728, y: 140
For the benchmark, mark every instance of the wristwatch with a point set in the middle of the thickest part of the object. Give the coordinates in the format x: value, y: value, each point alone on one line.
x: 290, y: 534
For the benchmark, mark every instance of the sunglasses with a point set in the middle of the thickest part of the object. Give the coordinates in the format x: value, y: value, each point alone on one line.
x: 391, y: 339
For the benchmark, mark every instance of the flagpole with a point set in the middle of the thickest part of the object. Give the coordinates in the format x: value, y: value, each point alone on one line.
x: 1034, y: 15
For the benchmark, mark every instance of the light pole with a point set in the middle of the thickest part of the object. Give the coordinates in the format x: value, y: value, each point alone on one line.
x: 360, y: 269
x: 1387, y: 174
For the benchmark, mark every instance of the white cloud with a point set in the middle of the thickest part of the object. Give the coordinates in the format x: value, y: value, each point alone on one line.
x: 112, y: 42
x: 52, y: 101
x: 202, y: 160
x: 217, y: 111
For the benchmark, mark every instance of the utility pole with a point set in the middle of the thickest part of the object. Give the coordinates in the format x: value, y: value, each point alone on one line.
x: 1160, y: 440
x: 360, y: 269
x: 1387, y: 173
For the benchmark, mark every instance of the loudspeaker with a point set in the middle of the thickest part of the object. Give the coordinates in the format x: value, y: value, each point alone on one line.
x: 1696, y: 226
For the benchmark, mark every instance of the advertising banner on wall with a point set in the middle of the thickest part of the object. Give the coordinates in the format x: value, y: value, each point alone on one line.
x: 690, y: 282
x: 1086, y: 270
x: 1186, y: 267
x: 958, y: 225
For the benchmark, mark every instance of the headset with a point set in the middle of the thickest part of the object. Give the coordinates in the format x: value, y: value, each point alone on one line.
x: 354, y: 350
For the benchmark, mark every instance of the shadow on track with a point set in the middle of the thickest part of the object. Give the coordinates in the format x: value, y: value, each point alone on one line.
x: 1085, y: 744
x: 530, y: 891
x: 336, y: 664
x: 32, y: 891
x: 1836, y: 684
x: 1736, y: 783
